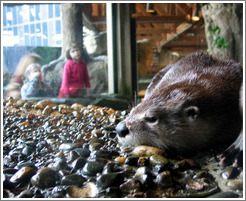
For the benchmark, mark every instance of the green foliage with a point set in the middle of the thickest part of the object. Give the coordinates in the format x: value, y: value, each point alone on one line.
x: 220, y: 41
x: 214, y: 30
x: 48, y: 54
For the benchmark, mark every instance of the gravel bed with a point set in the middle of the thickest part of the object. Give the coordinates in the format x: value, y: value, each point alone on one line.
x: 61, y: 151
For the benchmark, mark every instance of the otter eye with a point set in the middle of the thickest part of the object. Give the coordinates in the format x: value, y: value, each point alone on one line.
x: 150, y: 119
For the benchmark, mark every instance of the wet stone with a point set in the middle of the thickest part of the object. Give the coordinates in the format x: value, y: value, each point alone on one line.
x: 73, y: 179
x: 78, y: 164
x: 236, y: 184
x: 23, y: 175
x: 200, y: 174
x: 95, y: 146
x: 109, y: 180
x: 112, y: 192
x: 132, y: 160
x: 59, y: 192
x: 28, y: 150
x: 181, y: 165
x: 26, y: 194
x: 147, y: 151
x: 74, y: 153
x: 111, y: 167
x: 10, y: 170
x: 83, y: 152
x: 91, y: 168
x: 224, y: 195
x: 158, y: 159
x: 164, y: 179
x: 97, y: 140
x: 230, y: 173
x: 69, y: 146
x: 131, y: 185
x: 45, y: 177
x: 60, y: 164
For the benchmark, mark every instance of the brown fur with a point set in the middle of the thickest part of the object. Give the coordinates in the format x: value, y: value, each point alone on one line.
x: 190, y: 105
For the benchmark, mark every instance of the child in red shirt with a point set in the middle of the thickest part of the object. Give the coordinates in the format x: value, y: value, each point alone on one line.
x: 75, y: 75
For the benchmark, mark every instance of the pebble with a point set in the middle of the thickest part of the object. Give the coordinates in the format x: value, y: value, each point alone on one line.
x: 44, y: 178
x: 121, y: 159
x: 83, y: 152
x: 89, y: 191
x: 164, y: 179
x: 60, y: 151
x: 224, y: 195
x: 73, y: 179
x: 236, y: 184
x: 69, y: 146
x: 147, y: 151
x: 108, y: 180
x: 131, y: 185
x: 23, y: 175
x: 158, y: 159
x: 229, y: 173
x: 78, y: 163
x: 91, y: 168
x: 132, y: 160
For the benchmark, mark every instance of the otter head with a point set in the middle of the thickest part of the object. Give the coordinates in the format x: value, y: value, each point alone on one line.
x: 169, y: 118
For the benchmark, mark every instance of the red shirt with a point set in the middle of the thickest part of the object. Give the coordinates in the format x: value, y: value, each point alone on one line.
x: 75, y: 77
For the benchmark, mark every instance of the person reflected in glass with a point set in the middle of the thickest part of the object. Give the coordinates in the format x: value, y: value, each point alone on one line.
x: 75, y: 75
x: 14, y: 86
x: 33, y: 84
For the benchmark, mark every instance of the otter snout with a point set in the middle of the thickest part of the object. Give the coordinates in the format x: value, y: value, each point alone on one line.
x: 122, y: 129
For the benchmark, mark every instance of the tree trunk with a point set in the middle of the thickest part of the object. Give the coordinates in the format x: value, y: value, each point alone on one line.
x: 72, y: 32
x: 72, y: 24
x: 224, y: 29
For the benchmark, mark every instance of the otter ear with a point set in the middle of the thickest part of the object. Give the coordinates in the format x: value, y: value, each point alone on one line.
x: 191, y: 112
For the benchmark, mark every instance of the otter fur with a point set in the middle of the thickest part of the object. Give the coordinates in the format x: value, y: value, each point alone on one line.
x: 190, y: 105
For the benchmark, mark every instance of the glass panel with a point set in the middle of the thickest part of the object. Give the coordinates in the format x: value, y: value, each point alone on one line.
x: 38, y: 34
x: 32, y: 13
x: 32, y: 28
x: 14, y: 15
x: 58, y: 27
x: 57, y: 10
x: 19, y: 14
x: 37, y: 28
x: 50, y: 10
x: 45, y: 34
x: 38, y: 13
x: 4, y: 16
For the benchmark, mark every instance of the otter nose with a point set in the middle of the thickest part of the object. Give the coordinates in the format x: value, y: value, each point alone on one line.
x: 121, y: 129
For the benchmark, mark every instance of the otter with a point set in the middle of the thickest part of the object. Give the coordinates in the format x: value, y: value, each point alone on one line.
x: 234, y: 153
x: 190, y: 105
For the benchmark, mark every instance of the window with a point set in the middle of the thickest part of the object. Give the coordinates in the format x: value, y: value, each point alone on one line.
x: 57, y: 10
x: 50, y: 10
x: 58, y: 27
x: 37, y: 28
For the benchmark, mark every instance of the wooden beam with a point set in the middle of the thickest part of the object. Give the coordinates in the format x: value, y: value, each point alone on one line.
x: 175, y: 36
x: 185, y: 48
x: 184, y: 8
x: 98, y: 19
x: 160, y: 19
x: 153, y: 30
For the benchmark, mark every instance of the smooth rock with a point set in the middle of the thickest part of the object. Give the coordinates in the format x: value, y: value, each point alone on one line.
x: 69, y: 146
x: 91, y: 168
x: 73, y: 179
x: 45, y: 177
x: 236, y: 184
x: 109, y: 180
x: 23, y: 175
x: 143, y: 150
